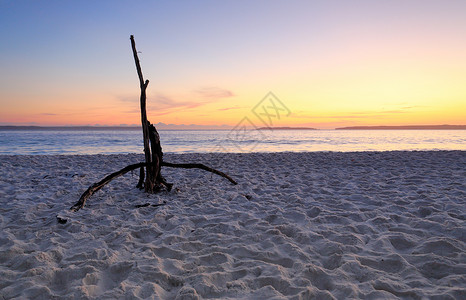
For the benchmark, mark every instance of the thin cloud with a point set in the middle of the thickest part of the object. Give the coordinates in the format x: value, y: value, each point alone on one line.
x: 165, y: 102
x: 214, y: 92
x: 399, y: 111
x: 130, y: 99
x: 164, y: 105
x: 229, y: 108
x: 161, y: 104
x: 132, y: 111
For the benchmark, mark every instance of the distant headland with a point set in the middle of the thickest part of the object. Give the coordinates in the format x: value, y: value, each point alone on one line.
x: 406, y: 127
x: 159, y: 126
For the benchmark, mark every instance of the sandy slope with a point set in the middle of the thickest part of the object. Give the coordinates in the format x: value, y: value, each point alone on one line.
x: 381, y: 225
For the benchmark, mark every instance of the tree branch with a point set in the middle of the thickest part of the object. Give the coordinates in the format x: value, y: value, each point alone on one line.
x: 150, y: 176
x: 198, y: 166
x: 98, y: 185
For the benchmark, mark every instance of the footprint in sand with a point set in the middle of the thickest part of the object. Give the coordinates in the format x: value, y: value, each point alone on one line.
x: 313, y: 212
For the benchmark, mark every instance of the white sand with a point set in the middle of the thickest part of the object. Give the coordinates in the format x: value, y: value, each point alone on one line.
x: 381, y: 225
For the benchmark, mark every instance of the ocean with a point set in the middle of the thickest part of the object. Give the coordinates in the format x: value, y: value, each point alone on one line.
x: 40, y: 142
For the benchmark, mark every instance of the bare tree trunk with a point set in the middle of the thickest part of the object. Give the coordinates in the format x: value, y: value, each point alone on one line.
x: 152, y: 151
x: 151, y: 171
x: 157, y: 158
x: 140, y: 184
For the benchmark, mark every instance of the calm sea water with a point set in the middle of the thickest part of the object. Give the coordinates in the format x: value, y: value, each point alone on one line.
x: 177, y: 141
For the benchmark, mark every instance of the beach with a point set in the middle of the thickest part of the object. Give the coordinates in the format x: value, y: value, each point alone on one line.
x: 315, y: 225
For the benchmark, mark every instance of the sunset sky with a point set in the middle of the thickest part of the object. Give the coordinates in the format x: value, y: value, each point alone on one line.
x: 330, y: 63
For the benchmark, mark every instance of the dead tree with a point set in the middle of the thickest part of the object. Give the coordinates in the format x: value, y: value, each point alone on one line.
x: 152, y: 150
x: 98, y: 185
x: 151, y: 180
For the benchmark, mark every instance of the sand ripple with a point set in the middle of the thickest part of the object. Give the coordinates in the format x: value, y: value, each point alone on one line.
x: 380, y: 225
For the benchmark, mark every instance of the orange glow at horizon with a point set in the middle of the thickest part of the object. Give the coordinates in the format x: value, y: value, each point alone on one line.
x: 365, y: 63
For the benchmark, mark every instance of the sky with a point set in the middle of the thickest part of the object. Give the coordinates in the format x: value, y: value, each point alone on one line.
x: 321, y: 64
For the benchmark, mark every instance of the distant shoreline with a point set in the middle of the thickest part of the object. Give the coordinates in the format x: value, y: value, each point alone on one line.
x: 286, y: 128
x: 69, y: 128
x: 129, y: 128
x: 406, y: 127
x: 98, y: 128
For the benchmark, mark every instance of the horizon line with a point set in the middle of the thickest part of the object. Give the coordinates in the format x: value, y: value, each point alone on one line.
x: 227, y: 127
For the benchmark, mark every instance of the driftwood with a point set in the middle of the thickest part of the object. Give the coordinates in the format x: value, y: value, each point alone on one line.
x: 152, y: 170
x: 198, y: 166
x: 153, y: 205
x: 98, y: 185
x: 151, y: 180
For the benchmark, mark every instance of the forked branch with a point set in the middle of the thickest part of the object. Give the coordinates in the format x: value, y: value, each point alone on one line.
x: 199, y: 166
x: 98, y: 185
x: 153, y: 179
